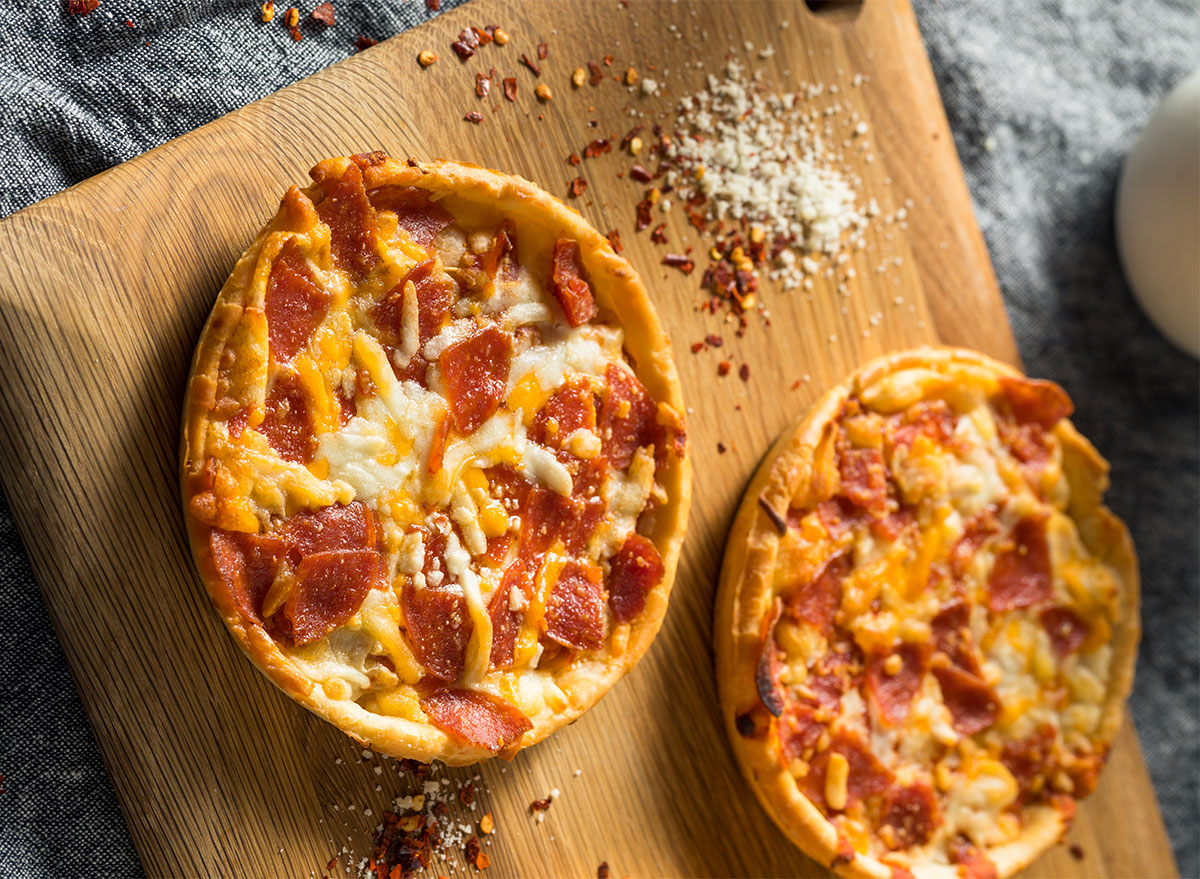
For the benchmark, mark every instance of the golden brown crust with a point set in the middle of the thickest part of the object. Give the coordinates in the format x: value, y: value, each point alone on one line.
x: 622, y: 299
x: 745, y: 591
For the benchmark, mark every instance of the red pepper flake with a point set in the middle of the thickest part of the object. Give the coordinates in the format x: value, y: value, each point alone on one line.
x: 721, y: 448
x: 464, y: 47
x: 473, y: 849
x: 483, y: 36
x: 679, y: 261
x: 483, y: 85
x: 614, y: 238
x: 415, y: 767
x: 466, y: 793
x: 574, y: 159
x: 537, y: 71
x: 82, y: 7
x: 363, y: 43
x: 714, y: 340
x: 597, y: 148
x: 723, y: 368
x: 510, y: 88
x: 578, y: 185
x: 597, y: 75
x: 1075, y: 851
x: 640, y: 174
x: 643, y: 213
x: 744, y: 372
x: 659, y: 234
x: 323, y: 13
x: 608, y: 60
x: 630, y: 135
x: 697, y: 347
x: 602, y: 872
x: 402, y: 845
x: 474, y: 117
x: 296, y: 35
x: 540, y: 805
x: 543, y: 50
x: 433, y: 5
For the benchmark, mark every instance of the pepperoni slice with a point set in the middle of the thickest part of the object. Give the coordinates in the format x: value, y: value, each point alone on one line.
x: 546, y: 516
x: 295, y: 303
x: 351, y: 220
x: 839, y: 517
x: 506, y: 622
x: 628, y: 417
x: 475, y: 371
x: 864, y: 479
x: 1029, y: 445
x: 634, y: 571
x: 439, y: 628
x: 766, y: 671
x: 435, y: 297
x: 288, y: 424
x: 330, y: 588
x: 931, y: 418
x: 973, y: 704
x: 826, y: 689
x: 1030, y: 758
x: 568, y: 284
x: 587, y: 487
x: 504, y: 242
x: 477, y: 718
x: 247, y: 564
x: 893, y: 693
x: 867, y: 777
x: 506, y: 484
x: 912, y: 813
x: 974, y: 863
x: 952, y: 636
x: 977, y: 530
x: 817, y: 602
x: 572, y: 407
x: 799, y: 730
x: 1067, y: 630
x: 416, y: 213
x: 575, y: 608
x: 331, y: 529
x: 893, y: 524
x: 1021, y: 575
x: 1036, y: 401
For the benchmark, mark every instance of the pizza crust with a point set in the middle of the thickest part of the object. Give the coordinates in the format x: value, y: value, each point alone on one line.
x: 622, y: 300
x: 745, y: 596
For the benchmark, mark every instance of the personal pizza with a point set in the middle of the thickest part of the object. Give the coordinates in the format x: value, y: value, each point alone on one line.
x: 927, y: 621
x: 434, y: 467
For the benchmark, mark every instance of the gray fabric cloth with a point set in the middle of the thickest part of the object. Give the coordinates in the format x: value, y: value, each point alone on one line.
x: 1045, y: 98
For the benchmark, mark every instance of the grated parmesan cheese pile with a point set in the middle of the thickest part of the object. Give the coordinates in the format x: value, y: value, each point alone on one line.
x: 747, y: 154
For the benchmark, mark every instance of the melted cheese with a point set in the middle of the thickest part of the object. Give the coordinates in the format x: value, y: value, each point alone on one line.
x: 896, y: 587
x: 381, y: 455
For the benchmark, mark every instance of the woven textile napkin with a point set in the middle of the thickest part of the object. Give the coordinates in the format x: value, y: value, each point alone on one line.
x: 1045, y: 97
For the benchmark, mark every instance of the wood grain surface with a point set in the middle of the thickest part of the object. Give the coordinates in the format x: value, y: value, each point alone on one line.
x: 103, y: 290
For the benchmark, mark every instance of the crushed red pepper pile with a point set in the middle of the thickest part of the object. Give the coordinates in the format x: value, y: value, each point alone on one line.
x: 421, y: 828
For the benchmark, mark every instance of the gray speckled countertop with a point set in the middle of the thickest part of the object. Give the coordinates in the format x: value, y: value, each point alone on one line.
x: 1045, y: 97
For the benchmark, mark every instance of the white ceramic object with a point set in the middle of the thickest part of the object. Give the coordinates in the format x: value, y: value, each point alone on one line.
x: 1158, y: 217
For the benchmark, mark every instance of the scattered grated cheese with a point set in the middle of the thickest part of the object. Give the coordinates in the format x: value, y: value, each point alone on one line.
x: 759, y: 156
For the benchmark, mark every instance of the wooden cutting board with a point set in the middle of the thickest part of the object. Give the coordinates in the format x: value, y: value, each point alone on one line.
x: 103, y: 290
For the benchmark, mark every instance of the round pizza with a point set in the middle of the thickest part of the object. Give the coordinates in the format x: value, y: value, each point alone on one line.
x: 927, y: 621
x: 434, y: 461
